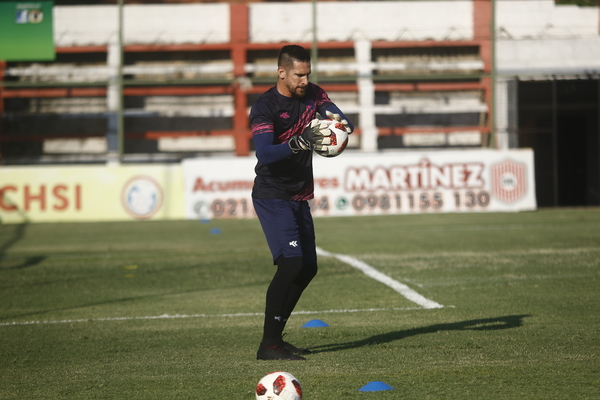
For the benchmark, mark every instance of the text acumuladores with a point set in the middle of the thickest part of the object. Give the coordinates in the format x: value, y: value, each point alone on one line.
x: 221, y: 186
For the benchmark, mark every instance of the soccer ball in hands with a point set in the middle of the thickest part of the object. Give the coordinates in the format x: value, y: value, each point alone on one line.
x: 279, y: 386
x: 333, y: 137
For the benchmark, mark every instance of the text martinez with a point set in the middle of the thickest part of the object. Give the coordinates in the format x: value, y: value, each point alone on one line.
x: 423, y: 175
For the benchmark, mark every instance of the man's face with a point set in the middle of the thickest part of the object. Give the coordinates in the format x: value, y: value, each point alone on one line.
x: 295, y: 80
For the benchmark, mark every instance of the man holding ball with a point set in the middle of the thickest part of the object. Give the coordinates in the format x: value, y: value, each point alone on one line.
x: 285, y: 136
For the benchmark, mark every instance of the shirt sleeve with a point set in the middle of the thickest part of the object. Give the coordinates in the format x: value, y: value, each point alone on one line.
x: 263, y: 134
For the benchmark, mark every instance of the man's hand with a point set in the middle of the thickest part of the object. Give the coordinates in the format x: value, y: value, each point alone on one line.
x: 312, y: 138
x: 298, y: 143
x: 338, y: 119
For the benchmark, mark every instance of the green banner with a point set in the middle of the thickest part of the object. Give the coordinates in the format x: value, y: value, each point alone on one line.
x: 26, y: 32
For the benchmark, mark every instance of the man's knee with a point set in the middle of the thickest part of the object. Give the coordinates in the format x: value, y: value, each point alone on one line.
x: 296, y: 269
x: 291, y: 266
x: 308, y: 273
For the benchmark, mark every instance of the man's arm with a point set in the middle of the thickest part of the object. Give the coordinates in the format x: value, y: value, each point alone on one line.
x: 266, y: 151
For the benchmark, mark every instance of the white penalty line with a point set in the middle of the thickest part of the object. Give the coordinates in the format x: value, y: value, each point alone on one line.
x: 184, y: 316
x: 380, y: 277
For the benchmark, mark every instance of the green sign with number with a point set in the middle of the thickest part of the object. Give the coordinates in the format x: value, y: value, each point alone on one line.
x: 26, y: 32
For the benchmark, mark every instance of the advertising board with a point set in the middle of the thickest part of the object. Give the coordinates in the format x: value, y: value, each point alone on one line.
x: 376, y: 184
x: 90, y: 193
x: 205, y: 188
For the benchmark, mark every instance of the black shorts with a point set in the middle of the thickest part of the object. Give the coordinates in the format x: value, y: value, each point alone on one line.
x: 288, y: 227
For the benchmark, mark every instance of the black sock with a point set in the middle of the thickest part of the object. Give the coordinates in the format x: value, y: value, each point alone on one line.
x: 283, y: 293
x: 300, y: 283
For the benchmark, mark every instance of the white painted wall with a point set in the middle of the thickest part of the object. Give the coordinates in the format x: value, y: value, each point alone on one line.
x: 269, y: 22
x: 549, y: 56
x: 538, y: 37
x: 543, y: 19
x: 143, y: 24
x: 362, y: 20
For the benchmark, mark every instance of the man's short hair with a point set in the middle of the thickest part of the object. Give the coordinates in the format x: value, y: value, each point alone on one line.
x: 290, y: 53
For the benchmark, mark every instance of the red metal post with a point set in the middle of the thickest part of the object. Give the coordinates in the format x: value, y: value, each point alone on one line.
x: 239, y: 39
x: 482, y: 30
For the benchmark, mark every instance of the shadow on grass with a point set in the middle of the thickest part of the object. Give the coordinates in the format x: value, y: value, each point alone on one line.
x: 486, y: 324
x: 5, y: 244
x: 120, y: 300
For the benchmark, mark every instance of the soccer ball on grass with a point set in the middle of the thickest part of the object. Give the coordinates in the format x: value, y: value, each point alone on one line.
x: 279, y: 386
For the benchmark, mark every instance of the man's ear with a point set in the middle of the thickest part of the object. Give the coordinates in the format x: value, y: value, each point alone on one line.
x: 281, y: 72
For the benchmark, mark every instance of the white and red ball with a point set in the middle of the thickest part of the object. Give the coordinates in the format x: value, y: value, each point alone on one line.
x: 278, y: 386
x: 338, y: 140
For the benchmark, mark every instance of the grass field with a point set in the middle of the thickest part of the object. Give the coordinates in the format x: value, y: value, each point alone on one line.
x: 172, y: 310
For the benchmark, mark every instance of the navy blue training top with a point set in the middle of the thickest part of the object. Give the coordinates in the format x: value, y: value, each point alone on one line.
x: 274, y: 119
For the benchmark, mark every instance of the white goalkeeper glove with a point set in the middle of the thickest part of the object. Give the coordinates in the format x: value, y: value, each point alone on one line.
x: 299, y: 143
x: 314, y: 136
x: 338, y: 118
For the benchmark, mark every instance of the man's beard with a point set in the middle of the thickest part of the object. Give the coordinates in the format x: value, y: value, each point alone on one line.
x: 299, y: 92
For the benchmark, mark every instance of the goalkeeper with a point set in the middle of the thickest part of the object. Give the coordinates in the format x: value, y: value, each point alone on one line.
x: 283, y: 186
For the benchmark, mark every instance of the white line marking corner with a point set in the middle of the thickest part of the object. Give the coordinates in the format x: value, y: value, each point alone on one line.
x: 371, y: 272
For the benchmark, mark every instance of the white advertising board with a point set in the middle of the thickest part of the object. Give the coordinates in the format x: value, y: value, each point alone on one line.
x: 376, y: 184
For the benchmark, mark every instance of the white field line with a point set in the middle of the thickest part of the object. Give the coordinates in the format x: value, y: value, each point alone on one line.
x: 381, y: 277
x: 184, y: 316
x: 365, y: 268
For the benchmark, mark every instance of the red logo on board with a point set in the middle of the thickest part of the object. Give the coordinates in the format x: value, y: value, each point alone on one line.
x: 509, y: 181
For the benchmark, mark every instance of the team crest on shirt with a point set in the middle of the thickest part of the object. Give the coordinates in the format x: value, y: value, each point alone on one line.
x: 284, y: 115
